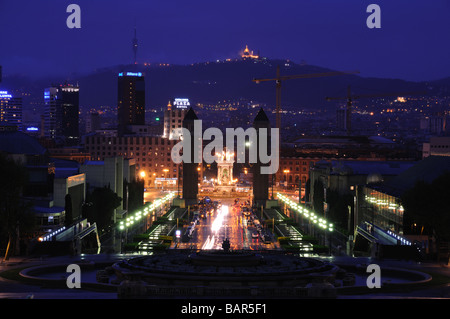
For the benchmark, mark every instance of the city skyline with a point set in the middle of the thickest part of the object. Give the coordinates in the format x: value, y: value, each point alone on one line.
x: 324, y: 34
x: 159, y: 149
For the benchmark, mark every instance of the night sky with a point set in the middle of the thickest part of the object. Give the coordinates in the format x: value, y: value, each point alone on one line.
x: 413, y: 42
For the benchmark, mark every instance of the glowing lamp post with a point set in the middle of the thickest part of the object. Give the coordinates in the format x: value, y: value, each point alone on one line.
x: 286, y: 172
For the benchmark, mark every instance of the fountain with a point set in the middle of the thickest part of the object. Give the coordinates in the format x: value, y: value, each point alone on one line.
x: 225, y: 181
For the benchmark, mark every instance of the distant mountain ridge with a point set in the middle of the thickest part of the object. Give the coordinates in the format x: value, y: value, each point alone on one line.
x: 210, y: 82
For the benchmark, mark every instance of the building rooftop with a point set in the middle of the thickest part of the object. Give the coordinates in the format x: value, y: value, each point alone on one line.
x: 65, y: 168
x: 342, y: 140
x: 48, y: 210
x: 94, y: 163
x: 370, y: 167
x: 426, y: 170
x: 20, y: 143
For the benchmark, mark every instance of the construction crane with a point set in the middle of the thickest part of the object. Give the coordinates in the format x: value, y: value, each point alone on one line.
x: 280, y: 78
x: 350, y: 98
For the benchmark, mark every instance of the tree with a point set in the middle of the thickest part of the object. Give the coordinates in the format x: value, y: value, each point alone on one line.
x: 135, y: 194
x: 318, y: 198
x: 426, y: 204
x: 69, y: 210
x: 338, y: 207
x: 104, y: 202
x: 307, y: 191
x: 15, y: 213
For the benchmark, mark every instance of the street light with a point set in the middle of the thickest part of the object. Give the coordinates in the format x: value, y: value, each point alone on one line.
x: 286, y: 171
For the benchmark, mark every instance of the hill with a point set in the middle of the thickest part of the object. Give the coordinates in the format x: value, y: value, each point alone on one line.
x: 217, y: 81
x: 210, y: 82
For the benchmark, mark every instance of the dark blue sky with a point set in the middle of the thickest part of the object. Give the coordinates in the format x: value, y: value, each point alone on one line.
x: 413, y: 42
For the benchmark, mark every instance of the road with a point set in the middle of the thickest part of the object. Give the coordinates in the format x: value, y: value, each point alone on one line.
x: 226, y: 222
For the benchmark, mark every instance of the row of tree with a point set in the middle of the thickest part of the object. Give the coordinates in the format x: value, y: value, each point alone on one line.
x: 101, y: 202
x: 15, y: 215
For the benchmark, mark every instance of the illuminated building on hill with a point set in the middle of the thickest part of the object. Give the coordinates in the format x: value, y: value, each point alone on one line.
x: 248, y: 55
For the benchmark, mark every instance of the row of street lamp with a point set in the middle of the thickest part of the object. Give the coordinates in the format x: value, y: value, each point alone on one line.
x: 321, y: 222
x: 137, y: 216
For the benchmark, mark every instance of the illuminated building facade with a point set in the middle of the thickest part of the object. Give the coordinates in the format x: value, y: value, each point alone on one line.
x: 131, y: 101
x: 380, y: 203
x: 110, y: 172
x: 437, y: 146
x: 152, y: 155
x: 173, y: 118
x: 10, y: 110
x: 382, y: 210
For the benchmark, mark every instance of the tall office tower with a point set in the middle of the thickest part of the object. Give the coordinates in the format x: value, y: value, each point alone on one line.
x: 50, y: 109
x: 61, y: 114
x: 10, y: 111
x: 131, y: 101
x: 190, y: 168
x: 260, y: 181
x: 70, y: 107
x: 173, y: 118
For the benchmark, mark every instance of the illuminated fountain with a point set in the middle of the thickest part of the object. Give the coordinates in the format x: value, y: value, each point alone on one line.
x: 225, y: 181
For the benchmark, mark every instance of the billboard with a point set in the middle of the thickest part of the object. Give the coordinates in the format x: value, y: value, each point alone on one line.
x: 181, y: 103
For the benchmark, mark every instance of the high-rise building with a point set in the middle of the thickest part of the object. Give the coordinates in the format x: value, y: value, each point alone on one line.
x: 61, y: 114
x: 131, y: 101
x: 10, y: 111
x: 50, y: 109
x: 70, y: 113
x: 173, y: 118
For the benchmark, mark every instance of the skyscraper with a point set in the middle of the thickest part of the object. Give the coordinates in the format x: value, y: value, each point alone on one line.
x: 50, y: 109
x: 10, y: 111
x: 61, y: 114
x: 131, y: 101
x: 70, y: 113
